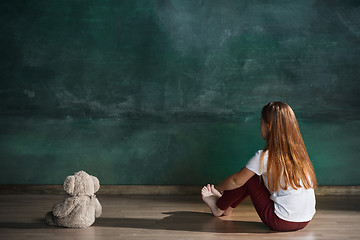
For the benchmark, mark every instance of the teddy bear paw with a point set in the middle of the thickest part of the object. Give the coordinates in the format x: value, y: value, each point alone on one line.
x: 49, y: 218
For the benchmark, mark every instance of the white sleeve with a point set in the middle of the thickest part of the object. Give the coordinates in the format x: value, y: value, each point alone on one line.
x: 254, y: 164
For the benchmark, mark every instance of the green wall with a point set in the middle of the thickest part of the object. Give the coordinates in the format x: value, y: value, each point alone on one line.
x: 170, y: 92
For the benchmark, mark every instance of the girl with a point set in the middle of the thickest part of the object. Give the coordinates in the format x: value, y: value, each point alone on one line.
x: 284, y: 199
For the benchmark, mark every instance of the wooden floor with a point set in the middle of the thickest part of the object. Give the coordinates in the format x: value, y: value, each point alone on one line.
x: 171, y: 217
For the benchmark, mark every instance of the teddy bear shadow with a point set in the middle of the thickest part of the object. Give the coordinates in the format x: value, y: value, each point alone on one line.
x: 186, y: 221
x: 35, y: 224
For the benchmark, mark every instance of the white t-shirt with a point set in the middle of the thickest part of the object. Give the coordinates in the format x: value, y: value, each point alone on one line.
x: 290, y: 205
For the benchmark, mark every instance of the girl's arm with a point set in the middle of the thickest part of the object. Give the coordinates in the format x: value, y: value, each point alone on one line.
x: 236, y: 180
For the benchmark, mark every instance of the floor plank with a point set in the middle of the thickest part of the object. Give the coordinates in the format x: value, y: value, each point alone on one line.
x: 171, y: 217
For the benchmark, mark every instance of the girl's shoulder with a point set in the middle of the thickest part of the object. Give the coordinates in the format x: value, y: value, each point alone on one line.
x: 258, y: 162
x: 261, y: 154
x: 258, y: 155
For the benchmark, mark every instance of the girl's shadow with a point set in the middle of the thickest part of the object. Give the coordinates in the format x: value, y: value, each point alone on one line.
x: 186, y: 221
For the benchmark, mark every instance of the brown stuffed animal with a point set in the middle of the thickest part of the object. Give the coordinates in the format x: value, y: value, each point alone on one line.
x: 81, y: 208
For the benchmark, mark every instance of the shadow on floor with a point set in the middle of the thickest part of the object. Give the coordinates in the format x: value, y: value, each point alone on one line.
x: 178, y: 221
x: 36, y: 224
x: 186, y: 221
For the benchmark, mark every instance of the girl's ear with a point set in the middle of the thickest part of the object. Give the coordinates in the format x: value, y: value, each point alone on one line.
x: 69, y: 185
x: 96, y: 183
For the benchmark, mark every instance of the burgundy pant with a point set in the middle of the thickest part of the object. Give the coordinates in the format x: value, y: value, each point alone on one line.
x: 264, y: 206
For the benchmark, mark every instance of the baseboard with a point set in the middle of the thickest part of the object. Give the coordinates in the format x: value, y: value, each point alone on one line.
x: 151, y: 189
x: 337, y: 190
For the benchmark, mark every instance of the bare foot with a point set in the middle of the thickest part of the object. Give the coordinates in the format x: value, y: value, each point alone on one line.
x: 210, y: 199
x: 214, y: 191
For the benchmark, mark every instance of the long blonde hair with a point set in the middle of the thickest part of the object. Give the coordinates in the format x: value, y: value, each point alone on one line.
x: 287, y: 154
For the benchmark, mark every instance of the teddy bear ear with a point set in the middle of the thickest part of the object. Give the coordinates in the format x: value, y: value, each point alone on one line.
x: 96, y: 183
x: 69, y: 185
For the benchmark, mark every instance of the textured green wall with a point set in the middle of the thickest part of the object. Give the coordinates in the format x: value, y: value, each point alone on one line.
x: 170, y: 92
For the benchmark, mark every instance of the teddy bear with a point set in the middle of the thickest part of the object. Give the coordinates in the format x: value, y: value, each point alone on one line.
x: 81, y: 207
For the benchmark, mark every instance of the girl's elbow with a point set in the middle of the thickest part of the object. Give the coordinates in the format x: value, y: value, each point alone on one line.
x: 237, y: 183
